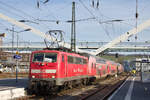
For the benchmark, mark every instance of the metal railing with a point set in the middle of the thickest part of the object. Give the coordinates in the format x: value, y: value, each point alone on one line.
x: 124, y: 46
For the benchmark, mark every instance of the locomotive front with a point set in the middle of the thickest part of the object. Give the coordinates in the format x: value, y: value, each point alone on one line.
x: 43, y: 68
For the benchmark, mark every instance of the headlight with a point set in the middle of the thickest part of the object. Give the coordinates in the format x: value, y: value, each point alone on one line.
x: 33, y: 76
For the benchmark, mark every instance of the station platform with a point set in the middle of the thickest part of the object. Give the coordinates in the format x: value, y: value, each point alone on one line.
x: 132, y: 89
x: 10, y: 89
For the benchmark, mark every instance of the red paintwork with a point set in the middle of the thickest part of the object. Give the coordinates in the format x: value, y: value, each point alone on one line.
x: 92, y: 66
x: 68, y: 70
x: 102, y: 69
x: 63, y: 69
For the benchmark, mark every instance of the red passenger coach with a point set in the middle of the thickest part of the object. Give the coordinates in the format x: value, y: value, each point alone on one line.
x: 56, y: 68
x: 91, y: 66
x: 52, y: 68
x: 120, y: 68
x: 101, y: 67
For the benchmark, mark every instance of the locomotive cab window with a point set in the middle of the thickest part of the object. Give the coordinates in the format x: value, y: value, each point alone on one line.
x: 38, y: 57
x: 50, y: 57
x: 45, y: 57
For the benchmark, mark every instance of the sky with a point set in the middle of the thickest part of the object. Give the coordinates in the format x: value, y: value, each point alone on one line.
x: 101, y: 29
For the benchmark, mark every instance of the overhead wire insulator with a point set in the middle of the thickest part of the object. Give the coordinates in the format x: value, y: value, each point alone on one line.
x: 93, y: 3
x: 57, y: 22
x: 38, y: 4
x: 45, y: 1
x: 135, y: 37
x: 136, y: 15
x: 97, y: 4
x: 116, y: 55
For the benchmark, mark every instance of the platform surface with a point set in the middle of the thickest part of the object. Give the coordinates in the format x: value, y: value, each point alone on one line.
x: 132, y: 89
x: 6, y: 84
x: 10, y: 89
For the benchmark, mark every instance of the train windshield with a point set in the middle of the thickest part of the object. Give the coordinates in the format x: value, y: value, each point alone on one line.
x: 45, y: 57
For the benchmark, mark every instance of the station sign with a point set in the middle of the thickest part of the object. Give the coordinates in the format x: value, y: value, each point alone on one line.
x: 17, y: 57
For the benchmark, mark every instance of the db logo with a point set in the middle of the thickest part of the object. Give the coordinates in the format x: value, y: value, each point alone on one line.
x: 42, y: 70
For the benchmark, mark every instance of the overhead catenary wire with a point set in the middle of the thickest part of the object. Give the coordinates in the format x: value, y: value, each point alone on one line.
x: 18, y: 10
x: 136, y: 20
x: 110, y: 18
x: 92, y: 12
x: 21, y: 12
x: 107, y: 33
x: 2, y: 25
x: 10, y: 12
x: 95, y: 3
x: 66, y: 21
x: 87, y: 8
x: 136, y: 16
x: 56, y: 9
x: 99, y: 12
x: 113, y: 28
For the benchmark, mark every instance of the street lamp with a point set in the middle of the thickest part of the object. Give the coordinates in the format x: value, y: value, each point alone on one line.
x: 18, y: 35
x: 17, y: 47
x: 1, y: 36
x: 12, y: 30
x: 1, y: 42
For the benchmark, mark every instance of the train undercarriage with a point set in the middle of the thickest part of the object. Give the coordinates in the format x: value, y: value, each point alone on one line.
x: 45, y: 87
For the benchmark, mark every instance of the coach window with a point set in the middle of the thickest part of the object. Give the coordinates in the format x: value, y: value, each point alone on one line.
x: 109, y: 67
x: 95, y: 65
x: 104, y: 72
x: 100, y: 67
x: 76, y: 61
x: 63, y: 58
x: 70, y: 59
x: 79, y: 61
x: 84, y: 61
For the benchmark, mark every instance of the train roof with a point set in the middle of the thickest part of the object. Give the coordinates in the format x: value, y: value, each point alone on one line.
x: 56, y: 50
x: 60, y: 49
x: 98, y: 59
x: 63, y: 49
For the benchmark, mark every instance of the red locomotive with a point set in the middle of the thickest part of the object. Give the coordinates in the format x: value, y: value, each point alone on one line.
x: 52, y: 69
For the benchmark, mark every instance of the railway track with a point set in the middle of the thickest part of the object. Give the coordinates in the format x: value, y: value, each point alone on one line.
x: 102, y: 93
x: 99, y: 91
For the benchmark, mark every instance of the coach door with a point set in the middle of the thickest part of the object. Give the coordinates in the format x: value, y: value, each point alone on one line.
x: 108, y: 69
x: 64, y: 64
